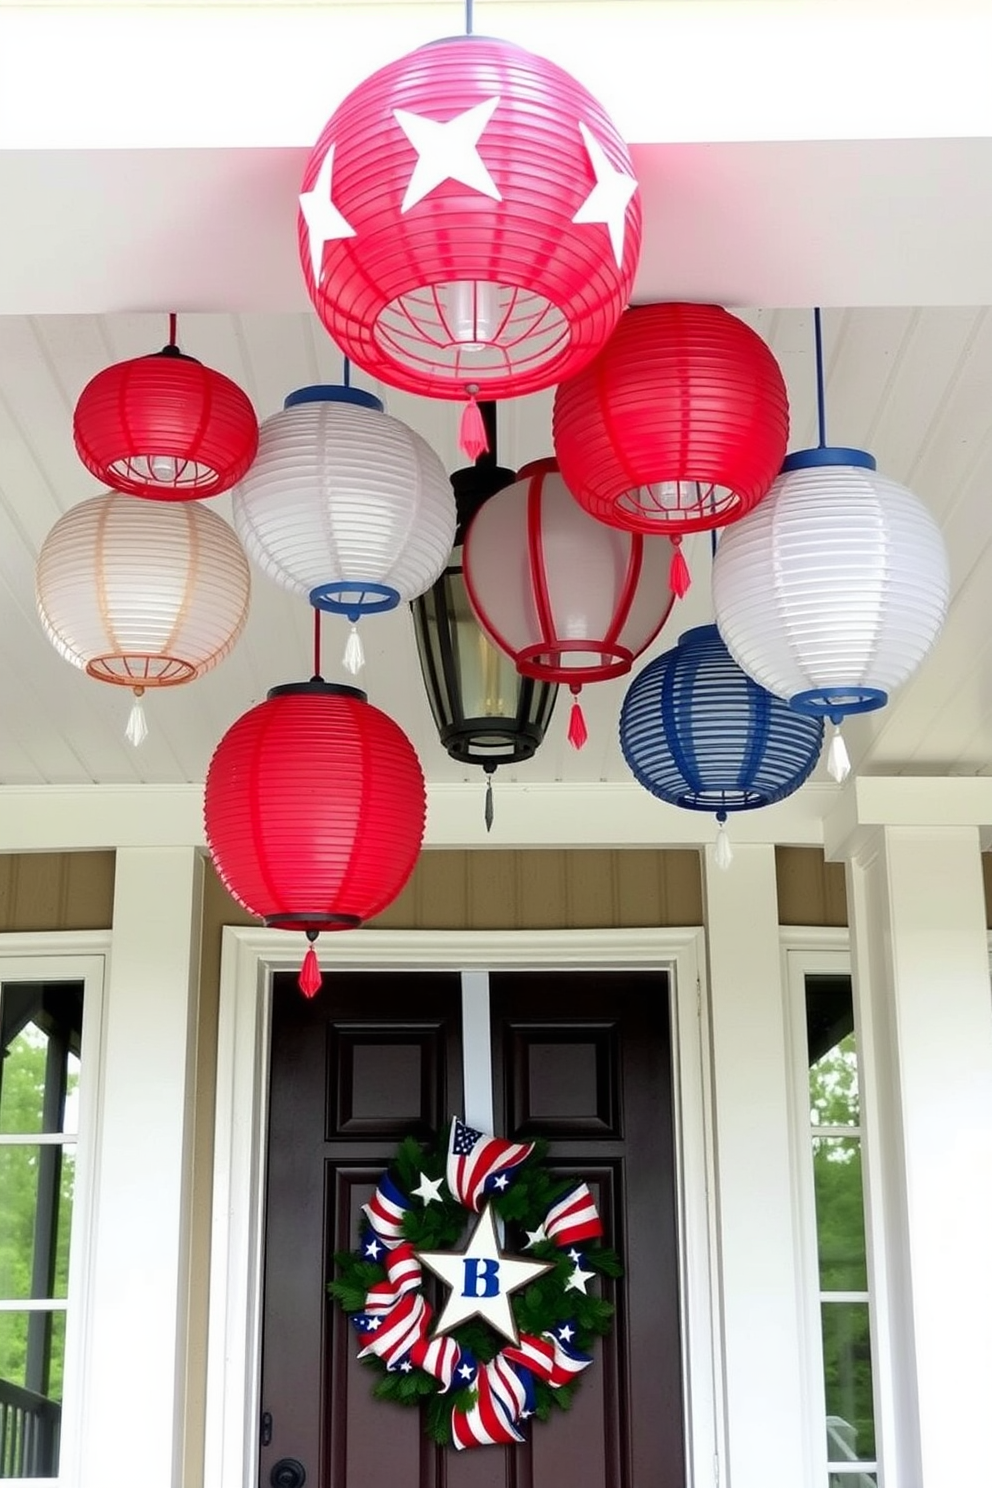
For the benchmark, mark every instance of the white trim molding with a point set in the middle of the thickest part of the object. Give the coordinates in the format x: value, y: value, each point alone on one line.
x: 249, y: 958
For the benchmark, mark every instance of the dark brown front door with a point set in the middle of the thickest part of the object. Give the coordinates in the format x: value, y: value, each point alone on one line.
x: 582, y: 1059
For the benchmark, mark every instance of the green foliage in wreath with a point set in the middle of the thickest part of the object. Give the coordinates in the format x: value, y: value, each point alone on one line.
x: 537, y: 1308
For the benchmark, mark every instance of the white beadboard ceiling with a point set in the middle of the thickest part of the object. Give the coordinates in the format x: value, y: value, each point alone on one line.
x: 734, y: 222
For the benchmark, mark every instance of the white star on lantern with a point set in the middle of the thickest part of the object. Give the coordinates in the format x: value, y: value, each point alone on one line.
x: 448, y: 152
x: 608, y: 199
x: 481, y: 1279
x: 324, y: 222
x: 429, y: 1189
x: 579, y: 1280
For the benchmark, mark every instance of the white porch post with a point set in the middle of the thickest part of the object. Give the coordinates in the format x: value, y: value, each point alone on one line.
x: 134, y: 1403
x: 920, y: 961
x: 758, y: 1272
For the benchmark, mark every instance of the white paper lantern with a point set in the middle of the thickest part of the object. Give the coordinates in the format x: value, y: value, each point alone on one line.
x: 345, y: 504
x: 142, y: 593
x: 832, y: 591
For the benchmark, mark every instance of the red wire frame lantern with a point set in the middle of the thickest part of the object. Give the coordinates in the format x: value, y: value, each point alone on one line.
x: 314, y: 811
x: 680, y: 424
x: 165, y: 427
x: 569, y: 599
x: 470, y: 223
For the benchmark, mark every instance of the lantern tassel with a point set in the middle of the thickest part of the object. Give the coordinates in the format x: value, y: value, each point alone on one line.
x: 137, y: 725
x: 838, y: 759
x: 354, y: 653
x: 577, y: 731
x: 679, y: 578
x: 723, y: 853
x: 489, y: 803
x: 310, y: 978
x: 472, y: 437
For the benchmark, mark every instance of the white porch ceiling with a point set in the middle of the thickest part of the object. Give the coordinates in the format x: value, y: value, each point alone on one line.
x: 149, y: 160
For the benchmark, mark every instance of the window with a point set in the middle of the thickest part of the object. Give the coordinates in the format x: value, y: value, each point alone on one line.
x: 834, y: 1158
x: 40, y: 1041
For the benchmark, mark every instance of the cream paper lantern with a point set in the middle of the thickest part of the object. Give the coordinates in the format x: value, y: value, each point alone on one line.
x: 831, y: 592
x: 346, y: 506
x: 142, y: 594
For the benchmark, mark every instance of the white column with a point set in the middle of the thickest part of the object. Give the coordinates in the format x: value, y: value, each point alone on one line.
x: 758, y: 1248
x: 134, y: 1356
x: 921, y: 970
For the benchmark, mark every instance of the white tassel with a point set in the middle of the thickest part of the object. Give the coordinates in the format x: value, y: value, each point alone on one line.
x: 723, y: 853
x: 354, y: 656
x: 838, y: 759
x: 137, y: 726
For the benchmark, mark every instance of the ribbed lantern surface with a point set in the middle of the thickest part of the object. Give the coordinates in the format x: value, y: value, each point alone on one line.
x: 314, y: 808
x: 165, y: 427
x: 568, y: 598
x: 141, y: 593
x: 469, y: 219
x: 834, y: 589
x: 697, y: 732
x: 345, y: 504
x: 680, y: 423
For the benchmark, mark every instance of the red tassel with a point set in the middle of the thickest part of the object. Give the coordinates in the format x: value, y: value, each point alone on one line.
x: 310, y: 978
x: 472, y: 431
x: 678, y: 575
x: 577, y: 731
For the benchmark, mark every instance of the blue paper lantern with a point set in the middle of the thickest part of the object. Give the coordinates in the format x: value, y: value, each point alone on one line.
x: 699, y: 733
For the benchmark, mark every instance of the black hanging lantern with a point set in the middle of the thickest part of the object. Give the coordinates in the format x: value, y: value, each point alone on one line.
x: 485, y: 712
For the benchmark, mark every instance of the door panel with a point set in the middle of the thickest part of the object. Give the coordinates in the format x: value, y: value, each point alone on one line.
x: 580, y: 1059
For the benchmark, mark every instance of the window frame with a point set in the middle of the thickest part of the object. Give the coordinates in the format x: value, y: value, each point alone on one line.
x: 72, y: 956
x: 826, y: 951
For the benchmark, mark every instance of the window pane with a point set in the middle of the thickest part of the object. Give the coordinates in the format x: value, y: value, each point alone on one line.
x: 833, y: 1065
x: 36, y: 1192
x: 847, y: 1377
x: 855, y: 1479
x: 840, y: 1215
x: 32, y: 1351
x: 40, y: 1029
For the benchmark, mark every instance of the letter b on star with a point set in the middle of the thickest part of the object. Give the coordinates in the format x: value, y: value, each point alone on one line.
x: 481, y: 1276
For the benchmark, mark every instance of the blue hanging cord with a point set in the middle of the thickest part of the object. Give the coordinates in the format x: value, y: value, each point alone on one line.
x: 468, y: 17
x: 821, y: 403
x: 347, y: 372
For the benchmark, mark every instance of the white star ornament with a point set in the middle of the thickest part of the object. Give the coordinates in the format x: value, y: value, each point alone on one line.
x: 429, y: 1189
x: 448, y: 152
x: 579, y: 1280
x: 608, y: 200
x: 324, y: 222
x: 481, y: 1279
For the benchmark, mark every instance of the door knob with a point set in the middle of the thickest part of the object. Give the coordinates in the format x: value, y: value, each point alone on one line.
x: 288, y: 1473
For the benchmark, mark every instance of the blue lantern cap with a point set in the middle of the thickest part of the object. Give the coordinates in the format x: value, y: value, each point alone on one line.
x: 331, y: 392
x: 827, y: 454
x: 697, y: 731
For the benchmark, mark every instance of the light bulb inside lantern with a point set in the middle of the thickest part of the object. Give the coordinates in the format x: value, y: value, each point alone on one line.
x: 163, y: 468
x: 471, y: 308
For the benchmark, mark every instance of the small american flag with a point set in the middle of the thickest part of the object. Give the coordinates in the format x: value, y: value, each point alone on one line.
x: 479, y: 1164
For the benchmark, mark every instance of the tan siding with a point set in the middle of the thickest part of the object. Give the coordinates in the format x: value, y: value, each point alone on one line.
x: 811, y: 891
x: 56, y: 891
x: 987, y: 880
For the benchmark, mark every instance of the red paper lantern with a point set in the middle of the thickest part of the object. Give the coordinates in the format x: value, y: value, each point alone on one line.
x: 165, y: 427
x: 314, y: 810
x: 569, y: 599
x: 470, y: 222
x: 680, y: 424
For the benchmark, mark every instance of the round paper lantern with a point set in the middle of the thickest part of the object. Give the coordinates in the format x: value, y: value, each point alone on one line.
x: 833, y: 590
x: 344, y: 504
x: 679, y: 425
x: 699, y: 733
x: 469, y: 222
x: 142, y: 594
x: 314, y: 810
x: 166, y: 427
x: 569, y: 599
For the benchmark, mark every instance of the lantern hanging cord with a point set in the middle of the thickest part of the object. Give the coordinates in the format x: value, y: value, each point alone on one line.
x: 172, y: 328
x: 821, y: 404
x: 468, y: 17
x: 347, y: 371
x: 316, y: 643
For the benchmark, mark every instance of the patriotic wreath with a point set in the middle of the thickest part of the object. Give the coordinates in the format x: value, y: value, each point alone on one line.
x: 478, y: 1384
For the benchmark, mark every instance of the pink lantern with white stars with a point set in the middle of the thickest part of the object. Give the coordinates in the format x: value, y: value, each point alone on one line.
x: 470, y: 224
